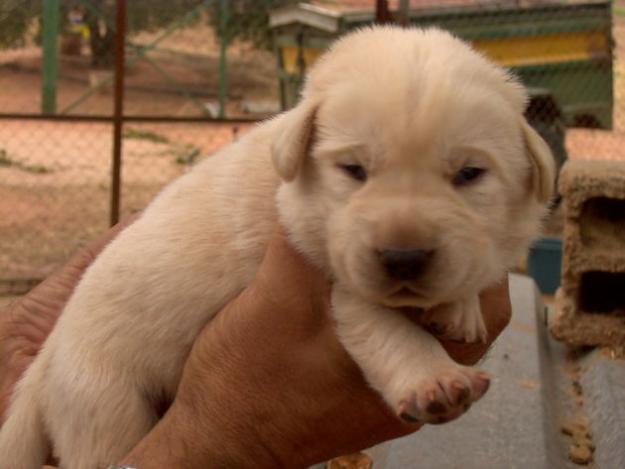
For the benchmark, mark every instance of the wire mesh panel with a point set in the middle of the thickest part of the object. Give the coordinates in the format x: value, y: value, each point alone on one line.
x: 54, y: 191
x: 58, y: 62
x: 54, y: 174
x: 180, y: 70
x: 197, y: 73
x: 184, y: 67
x: 155, y: 153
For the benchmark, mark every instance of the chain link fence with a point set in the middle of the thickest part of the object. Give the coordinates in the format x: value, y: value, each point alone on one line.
x: 199, y: 73
x: 181, y: 103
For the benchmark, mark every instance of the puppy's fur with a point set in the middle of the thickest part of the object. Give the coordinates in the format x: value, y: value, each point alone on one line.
x: 412, y: 107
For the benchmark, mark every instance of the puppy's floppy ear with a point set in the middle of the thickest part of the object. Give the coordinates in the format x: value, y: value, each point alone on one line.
x: 543, y: 163
x: 293, y: 139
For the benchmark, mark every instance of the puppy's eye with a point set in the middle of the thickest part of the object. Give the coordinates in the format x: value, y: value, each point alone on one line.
x: 355, y: 171
x: 467, y: 175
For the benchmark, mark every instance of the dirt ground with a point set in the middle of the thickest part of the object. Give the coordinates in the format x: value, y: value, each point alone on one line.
x: 55, y: 176
x: 46, y: 213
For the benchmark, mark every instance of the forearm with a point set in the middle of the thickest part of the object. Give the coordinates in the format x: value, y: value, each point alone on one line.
x: 158, y: 450
x: 180, y: 440
x: 26, y: 323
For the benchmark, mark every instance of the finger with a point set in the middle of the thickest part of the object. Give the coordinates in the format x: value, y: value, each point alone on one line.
x: 47, y: 299
x: 497, y: 311
x: 284, y: 262
x: 496, y: 308
x: 83, y: 258
x: 287, y: 281
x: 27, y: 322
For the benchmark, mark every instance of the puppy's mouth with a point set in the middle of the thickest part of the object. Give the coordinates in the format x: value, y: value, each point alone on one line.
x: 411, y: 311
x: 406, y: 297
x: 405, y: 292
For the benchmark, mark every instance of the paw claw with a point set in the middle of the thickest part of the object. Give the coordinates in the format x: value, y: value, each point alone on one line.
x: 436, y: 407
x: 484, y: 380
x: 443, y: 397
x: 462, y: 393
x: 406, y: 412
x: 408, y: 418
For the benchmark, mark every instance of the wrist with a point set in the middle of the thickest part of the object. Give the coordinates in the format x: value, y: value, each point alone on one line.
x: 183, y: 439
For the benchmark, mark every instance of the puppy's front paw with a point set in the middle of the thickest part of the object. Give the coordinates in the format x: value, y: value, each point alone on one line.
x: 444, y: 396
x: 461, y: 321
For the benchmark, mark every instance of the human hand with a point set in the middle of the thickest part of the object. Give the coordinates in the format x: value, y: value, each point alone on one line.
x: 276, y: 336
x: 26, y: 323
x: 268, y: 384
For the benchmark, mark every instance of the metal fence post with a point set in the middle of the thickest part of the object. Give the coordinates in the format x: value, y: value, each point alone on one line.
x: 118, y: 110
x: 404, y: 12
x: 224, y: 18
x: 382, y: 13
x: 50, y: 30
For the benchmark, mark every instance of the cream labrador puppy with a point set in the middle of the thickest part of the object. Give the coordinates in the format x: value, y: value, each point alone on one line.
x: 407, y: 173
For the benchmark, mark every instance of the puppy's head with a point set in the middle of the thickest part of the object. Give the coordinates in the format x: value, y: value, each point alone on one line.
x: 409, y: 169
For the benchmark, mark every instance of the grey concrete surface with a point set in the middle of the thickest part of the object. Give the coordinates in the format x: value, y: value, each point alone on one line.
x: 603, y: 382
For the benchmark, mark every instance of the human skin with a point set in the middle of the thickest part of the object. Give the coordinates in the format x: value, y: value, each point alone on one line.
x: 267, y: 383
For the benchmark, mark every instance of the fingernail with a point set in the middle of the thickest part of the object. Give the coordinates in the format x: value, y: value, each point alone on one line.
x: 408, y: 418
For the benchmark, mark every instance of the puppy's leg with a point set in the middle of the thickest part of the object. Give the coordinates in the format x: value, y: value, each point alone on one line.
x: 403, y: 362
x: 98, y: 421
x: 461, y: 321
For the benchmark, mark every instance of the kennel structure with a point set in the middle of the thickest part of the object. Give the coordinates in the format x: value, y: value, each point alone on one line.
x: 590, y: 303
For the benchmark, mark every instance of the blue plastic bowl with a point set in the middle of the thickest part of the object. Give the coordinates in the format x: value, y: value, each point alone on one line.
x: 544, y: 264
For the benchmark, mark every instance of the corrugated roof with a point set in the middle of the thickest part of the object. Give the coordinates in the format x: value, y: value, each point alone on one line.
x: 346, y: 6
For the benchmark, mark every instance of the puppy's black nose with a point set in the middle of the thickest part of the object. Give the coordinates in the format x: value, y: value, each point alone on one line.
x: 404, y: 264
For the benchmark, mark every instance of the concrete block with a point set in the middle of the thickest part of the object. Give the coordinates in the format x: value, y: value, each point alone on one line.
x: 590, y: 303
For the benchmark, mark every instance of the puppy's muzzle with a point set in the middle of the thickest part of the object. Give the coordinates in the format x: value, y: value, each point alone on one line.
x: 404, y: 264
